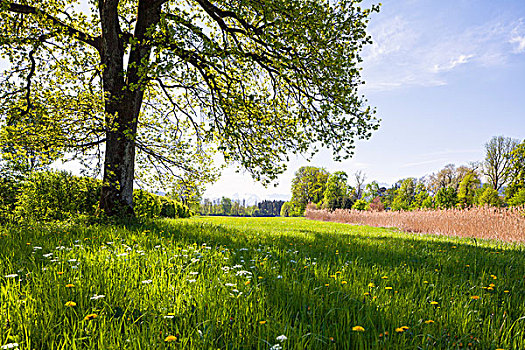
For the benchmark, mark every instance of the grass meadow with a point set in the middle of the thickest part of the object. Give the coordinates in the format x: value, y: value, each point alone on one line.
x: 256, y: 283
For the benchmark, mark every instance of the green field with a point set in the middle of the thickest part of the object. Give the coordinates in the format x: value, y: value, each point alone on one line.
x: 243, y: 283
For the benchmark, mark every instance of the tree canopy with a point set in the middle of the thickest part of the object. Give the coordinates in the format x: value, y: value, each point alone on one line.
x: 162, y: 83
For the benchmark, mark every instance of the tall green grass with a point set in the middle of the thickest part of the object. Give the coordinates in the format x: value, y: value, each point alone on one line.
x: 243, y: 283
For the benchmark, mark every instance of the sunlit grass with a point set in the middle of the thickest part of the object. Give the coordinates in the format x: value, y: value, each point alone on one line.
x: 247, y: 283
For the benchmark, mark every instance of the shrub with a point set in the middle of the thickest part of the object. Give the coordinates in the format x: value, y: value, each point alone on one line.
x: 518, y: 198
x: 377, y: 205
x: 489, y: 197
x: 360, y: 204
x: 9, y: 188
x: 286, y: 209
x: 59, y: 195
x: 146, y: 205
x: 171, y: 208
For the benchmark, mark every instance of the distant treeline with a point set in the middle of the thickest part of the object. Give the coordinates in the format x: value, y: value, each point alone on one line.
x: 228, y: 207
x: 497, y: 181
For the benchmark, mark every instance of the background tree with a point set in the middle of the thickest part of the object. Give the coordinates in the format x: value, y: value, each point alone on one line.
x: 226, y: 204
x: 446, y: 198
x: 155, y: 81
x: 360, y: 178
x: 516, y: 171
x: 405, y: 195
x: 308, y: 185
x: 497, y: 163
x: 488, y: 196
x: 421, y: 197
x: 467, y: 189
x: 337, y: 192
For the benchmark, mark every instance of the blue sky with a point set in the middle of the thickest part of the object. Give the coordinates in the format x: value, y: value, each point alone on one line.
x: 445, y: 77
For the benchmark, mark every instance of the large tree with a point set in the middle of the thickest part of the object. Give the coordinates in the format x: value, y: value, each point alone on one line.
x: 308, y: 186
x: 156, y: 81
x: 497, y: 165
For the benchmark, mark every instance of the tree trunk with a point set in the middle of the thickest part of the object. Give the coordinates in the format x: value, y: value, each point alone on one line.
x: 124, y: 93
x: 119, y: 169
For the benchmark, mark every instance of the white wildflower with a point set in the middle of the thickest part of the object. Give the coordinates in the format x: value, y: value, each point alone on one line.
x: 243, y: 273
x: 146, y: 281
x: 96, y: 297
x: 14, y: 275
x: 9, y: 346
x: 281, y: 338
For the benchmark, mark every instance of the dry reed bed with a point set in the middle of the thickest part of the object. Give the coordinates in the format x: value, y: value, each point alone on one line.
x: 507, y: 224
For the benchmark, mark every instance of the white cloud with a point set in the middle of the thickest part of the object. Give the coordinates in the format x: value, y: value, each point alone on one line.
x: 462, y: 59
x: 520, y: 41
x: 518, y: 38
x: 408, y: 52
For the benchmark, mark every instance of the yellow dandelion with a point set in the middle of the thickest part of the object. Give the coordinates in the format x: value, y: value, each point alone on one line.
x: 490, y: 288
x: 467, y: 265
x: 262, y: 322
x: 385, y: 277
x: 474, y: 297
x: 371, y: 285
x: 429, y: 321
x: 506, y: 291
x: 425, y: 282
x: 247, y: 283
x: 400, y: 330
x: 365, y: 294
x: 70, y: 285
x: 71, y: 304
x: 170, y: 338
x: 492, y: 285
x: 388, y: 288
x: 358, y: 329
x: 344, y: 282
x: 494, y: 277
x: 260, y: 277
x: 327, y: 284
x: 60, y: 272
x: 434, y: 303
x: 90, y: 317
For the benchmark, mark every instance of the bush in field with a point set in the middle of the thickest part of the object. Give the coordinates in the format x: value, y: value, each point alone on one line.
x: 467, y: 190
x: 360, y: 204
x: 518, y: 198
x: 8, y: 195
x: 171, y: 208
x: 146, y: 205
x: 59, y: 195
x: 446, y: 198
x: 489, y: 196
x: 285, y: 209
x: 427, y: 203
x: 377, y: 205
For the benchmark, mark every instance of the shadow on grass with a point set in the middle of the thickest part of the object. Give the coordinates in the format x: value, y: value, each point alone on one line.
x: 317, y: 311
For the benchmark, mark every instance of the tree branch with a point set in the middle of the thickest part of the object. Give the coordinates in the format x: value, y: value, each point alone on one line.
x: 73, y: 32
